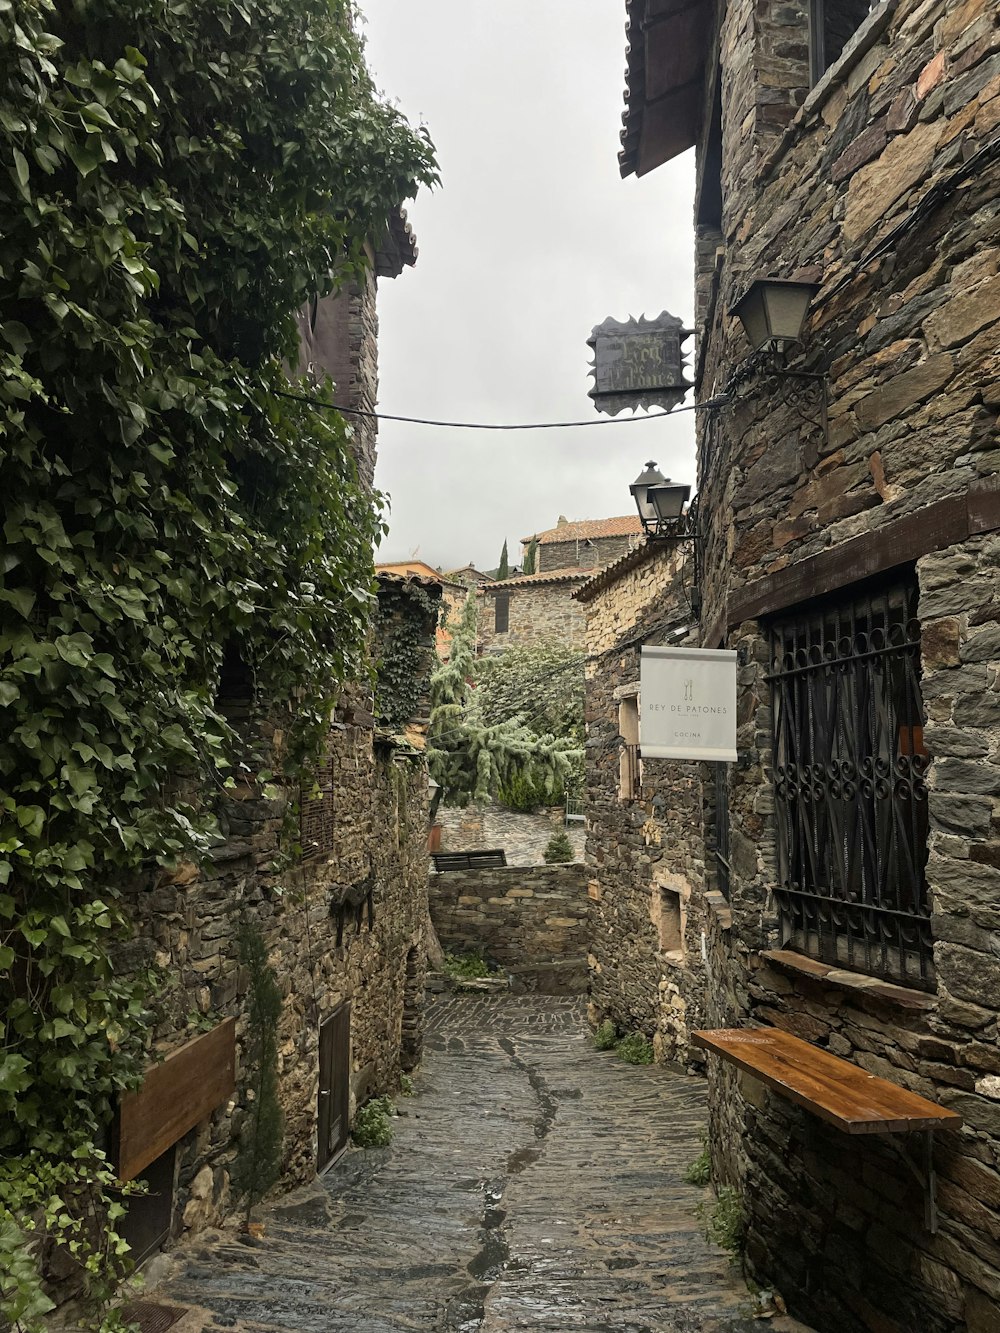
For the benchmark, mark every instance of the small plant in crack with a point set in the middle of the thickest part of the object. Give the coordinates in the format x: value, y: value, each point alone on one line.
x: 724, y: 1221
x: 699, y: 1172
x: 606, y: 1036
x: 466, y: 966
x: 373, y: 1123
x: 636, y: 1049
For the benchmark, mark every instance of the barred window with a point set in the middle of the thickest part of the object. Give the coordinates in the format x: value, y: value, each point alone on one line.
x: 501, y: 616
x: 850, y: 794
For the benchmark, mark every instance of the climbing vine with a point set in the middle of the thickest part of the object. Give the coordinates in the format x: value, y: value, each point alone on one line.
x: 404, y: 629
x: 177, y: 179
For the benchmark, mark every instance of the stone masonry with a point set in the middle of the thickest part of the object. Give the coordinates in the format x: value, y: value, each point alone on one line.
x: 333, y: 876
x: 531, y: 921
x: 522, y: 835
x: 540, y: 609
x: 881, y: 184
x: 645, y: 855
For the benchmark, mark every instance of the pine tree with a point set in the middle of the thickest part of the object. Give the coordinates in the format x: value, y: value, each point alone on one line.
x: 503, y: 569
x: 471, y: 758
x: 531, y: 557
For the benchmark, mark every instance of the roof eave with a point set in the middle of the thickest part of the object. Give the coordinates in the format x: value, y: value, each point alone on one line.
x: 664, y: 81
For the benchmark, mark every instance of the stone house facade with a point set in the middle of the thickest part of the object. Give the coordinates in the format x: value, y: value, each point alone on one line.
x: 850, y: 551
x: 588, y: 544
x: 645, y: 850
x: 538, y: 608
x: 531, y: 608
x: 332, y: 878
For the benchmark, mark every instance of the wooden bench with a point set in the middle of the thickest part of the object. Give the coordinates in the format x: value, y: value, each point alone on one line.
x: 484, y: 860
x: 838, y: 1092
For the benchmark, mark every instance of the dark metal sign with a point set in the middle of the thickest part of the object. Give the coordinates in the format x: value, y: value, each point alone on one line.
x: 638, y: 363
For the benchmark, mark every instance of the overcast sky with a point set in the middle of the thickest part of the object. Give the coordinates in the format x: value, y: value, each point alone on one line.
x: 531, y: 240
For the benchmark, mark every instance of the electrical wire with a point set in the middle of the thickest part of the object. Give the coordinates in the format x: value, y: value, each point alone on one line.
x: 718, y: 401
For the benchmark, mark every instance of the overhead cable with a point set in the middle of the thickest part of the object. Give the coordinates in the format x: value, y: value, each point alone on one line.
x: 718, y: 401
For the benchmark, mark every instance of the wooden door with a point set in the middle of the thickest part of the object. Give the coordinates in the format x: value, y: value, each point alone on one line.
x: 333, y: 1112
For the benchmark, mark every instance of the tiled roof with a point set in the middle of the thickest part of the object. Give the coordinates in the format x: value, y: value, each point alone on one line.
x: 549, y: 576
x: 626, y: 525
x: 664, y: 78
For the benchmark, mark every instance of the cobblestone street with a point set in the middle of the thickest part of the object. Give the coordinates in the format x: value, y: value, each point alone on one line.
x: 532, y: 1183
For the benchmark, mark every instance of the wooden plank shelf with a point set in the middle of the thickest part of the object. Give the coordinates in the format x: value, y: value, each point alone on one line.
x: 838, y: 1092
x: 833, y: 1089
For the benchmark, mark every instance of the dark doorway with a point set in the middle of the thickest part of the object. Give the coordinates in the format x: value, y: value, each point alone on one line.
x: 333, y: 1114
x: 146, y: 1223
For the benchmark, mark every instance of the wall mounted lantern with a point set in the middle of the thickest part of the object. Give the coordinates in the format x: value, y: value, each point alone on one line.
x: 773, y: 312
x: 660, y: 503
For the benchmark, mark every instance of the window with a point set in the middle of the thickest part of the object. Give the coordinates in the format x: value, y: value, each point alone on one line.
x: 850, y: 794
x: 832, y: 24
x: 670, y: 921
x: 501, y: 613
x: 629, y: 763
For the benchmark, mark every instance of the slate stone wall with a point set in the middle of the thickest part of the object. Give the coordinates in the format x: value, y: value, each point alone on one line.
x: 532, y: 921
x: 645, y: 855
x: 539, y: 613
x: 594, y: 553
x: 522, y: 835
x: 882, y: 183
x: 344, y: 922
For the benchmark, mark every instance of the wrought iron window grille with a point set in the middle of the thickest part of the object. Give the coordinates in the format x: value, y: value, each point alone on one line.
x: 849, y: 784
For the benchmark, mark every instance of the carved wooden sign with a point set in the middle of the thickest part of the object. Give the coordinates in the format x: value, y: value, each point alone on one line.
x: 638, y: 363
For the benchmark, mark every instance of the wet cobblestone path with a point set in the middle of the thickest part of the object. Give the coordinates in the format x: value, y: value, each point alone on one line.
x: 533, y: 1183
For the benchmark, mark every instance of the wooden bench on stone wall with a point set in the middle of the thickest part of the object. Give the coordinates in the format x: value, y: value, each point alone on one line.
x: 485, y: 860
x: 838, y: 1092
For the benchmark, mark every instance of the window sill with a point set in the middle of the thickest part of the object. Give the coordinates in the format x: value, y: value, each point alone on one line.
x: 720, y: 909
x: 673, y: 958
x: 785, y: 960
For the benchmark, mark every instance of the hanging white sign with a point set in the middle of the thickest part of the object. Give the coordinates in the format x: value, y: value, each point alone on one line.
x: 687, y: 704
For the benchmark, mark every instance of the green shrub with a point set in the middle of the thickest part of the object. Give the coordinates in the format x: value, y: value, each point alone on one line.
x: 700, y: 1170
x: 466, y: 966
x: 373, y: 1124
x: 636, y: 1049
x: 606, y: 1036
x: 559, y: 849
x: 405, y: 1085
x: 519, y: 792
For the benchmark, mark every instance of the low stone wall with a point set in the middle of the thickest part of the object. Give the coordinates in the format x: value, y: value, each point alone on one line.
x: 532, y: 921
x: 522, y: 836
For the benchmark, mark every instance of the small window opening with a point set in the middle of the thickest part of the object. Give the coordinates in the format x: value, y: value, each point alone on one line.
x: 235, y: 690
x: 501, y: 621
x: 670, y: 923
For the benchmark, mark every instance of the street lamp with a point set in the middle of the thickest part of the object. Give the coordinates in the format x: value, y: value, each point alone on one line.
x: 773, y: 312
x: 660, y: 503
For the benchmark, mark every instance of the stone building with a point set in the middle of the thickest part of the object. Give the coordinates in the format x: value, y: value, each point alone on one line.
x: 645, y: 849
x: 531, y: 608
x: 331, y: 878
x: 850, y: 538
x: 589, y: 544
x: 453, y: 595
x: 538, y: 608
